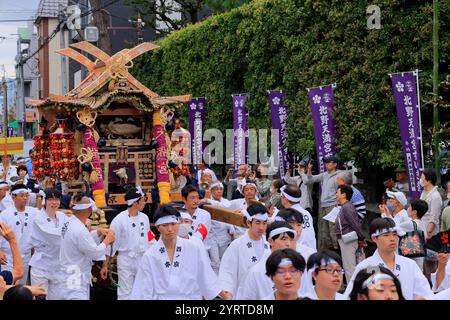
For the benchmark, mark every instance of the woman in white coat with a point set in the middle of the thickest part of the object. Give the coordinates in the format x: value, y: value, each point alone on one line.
x: 46, y: 241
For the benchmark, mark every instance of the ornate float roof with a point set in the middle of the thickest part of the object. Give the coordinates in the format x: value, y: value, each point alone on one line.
x: 108, y: 80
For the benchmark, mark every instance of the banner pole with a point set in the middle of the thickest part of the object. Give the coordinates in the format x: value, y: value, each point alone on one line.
x: 420, y: 120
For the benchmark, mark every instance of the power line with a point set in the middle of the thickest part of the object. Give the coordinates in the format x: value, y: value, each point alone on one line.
x: 18, y: 20
x: 58, y: 28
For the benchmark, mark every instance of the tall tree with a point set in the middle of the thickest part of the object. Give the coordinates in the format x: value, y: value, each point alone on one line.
x: 176, y: 14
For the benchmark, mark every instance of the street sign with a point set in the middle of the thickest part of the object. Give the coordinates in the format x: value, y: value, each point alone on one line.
x: 11, y: 145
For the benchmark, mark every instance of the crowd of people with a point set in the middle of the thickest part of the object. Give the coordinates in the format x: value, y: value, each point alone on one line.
x: 279, y: 255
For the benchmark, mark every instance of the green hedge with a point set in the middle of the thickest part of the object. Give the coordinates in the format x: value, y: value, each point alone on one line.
x: 291, y: 45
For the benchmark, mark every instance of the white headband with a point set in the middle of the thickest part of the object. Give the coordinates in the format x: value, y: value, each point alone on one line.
x: 324, y: 262
x: 167, y: 219
x: 216, y: 184
x: 4, y: 183
x: 138, y: 191
x: 281, y: 230
x: 81, y: 206
x: 373, y: 279
x: 186, y: 216
x: 285, y: 262
x: 20, y: 191
x: 290, y: 198
x: 259, y: 216
x: 249, y: 184
x: 42, y: 194
x: 379, y: 232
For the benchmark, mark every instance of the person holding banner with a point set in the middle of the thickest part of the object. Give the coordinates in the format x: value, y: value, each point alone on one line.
x: 326, y: 234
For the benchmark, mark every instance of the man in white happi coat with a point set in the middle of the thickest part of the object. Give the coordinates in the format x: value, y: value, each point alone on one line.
x: 385, y: 235
x: 201, y: 218
x: 19, y: 217
x: 79, y: 248
x: 133, y: 237
x: 249, y: 190
x: 7, y: 170
x: 290, y: 198
x: 221, y: 232
x: 46, y: 241
x: 295, y: 220
x: 257, y: 285
x: 5, y: 197
x: 175, y: 268
x: 246, y: 251
x: 327, y: 275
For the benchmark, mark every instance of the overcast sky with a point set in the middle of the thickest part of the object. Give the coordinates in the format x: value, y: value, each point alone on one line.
x: 13, y: 10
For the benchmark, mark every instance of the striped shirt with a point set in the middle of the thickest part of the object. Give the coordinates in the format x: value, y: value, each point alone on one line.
x: 358, y: 201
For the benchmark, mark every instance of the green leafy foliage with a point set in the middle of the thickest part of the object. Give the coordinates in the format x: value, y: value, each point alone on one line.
x: 292, y: 45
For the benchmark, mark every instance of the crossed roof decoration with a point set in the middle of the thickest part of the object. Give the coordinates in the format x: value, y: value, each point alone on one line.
x: 102, y: 71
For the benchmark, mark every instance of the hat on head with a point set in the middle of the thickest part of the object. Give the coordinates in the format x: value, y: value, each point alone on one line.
x: 330, y: 159
x: 397, y: 195
x: 400, y: 169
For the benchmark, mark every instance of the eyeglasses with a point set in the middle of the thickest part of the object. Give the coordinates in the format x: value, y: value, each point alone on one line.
x: 331, y: 271
x: 283, y: 272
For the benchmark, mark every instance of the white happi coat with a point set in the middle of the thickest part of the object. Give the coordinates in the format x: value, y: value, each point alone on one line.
x: 308, y: 236
x: 46, y: 241
x: 411, y: 277
x: 12, y: 172
x: 239, y: 204
x: 237, y: 260
x: 79, y: 248
x: 20, y: 223
x: 201, y: 216
x: 132, y: 241
x: 6, y: 202
x: 257, y: 285
x: 188, y: 277
x: 313, y: 295
x: 220, y: 231
x: 445, y: 284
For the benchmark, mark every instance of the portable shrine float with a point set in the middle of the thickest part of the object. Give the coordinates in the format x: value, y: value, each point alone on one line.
x: 111, y: 130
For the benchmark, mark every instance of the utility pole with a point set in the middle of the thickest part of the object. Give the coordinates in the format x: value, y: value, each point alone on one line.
x: 5, y: 106
x: 62, y: 19
x: 21, y: 106
x: 436, y: 126
x: 139, y: 26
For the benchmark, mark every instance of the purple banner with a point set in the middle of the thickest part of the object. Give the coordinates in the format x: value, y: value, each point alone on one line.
x: 321, y: 100
x: 405, y: 88
x: 279, y: 122
x: 197, y: 108
x: 240, y: 130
